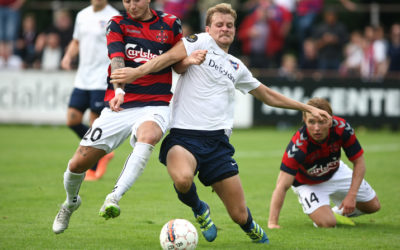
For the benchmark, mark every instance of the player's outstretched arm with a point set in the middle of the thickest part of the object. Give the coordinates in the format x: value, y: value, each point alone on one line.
x: 276, y: 99
x: 284, y: 182
x: 349, y: 202
x: 128, y: 75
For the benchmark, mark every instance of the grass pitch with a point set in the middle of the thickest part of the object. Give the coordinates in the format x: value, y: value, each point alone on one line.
x: 33, y: 159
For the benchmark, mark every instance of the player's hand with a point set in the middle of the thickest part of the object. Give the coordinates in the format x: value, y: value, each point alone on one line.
x: 66, y: 63
x: 321, y: 114
x: 116, y: 101
x: 197, y: 57
x: 124, y: 75
x: 273, y: 226
x: 348, y: 205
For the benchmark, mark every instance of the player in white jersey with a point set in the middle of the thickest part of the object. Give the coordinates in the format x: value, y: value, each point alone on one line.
x: 89, y: 41
x: 203, y: 118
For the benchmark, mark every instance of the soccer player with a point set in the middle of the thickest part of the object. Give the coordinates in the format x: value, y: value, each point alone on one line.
x: 133, y: 38
x: 202, y: 119
x: 311, y: 165
x: 89, y: 41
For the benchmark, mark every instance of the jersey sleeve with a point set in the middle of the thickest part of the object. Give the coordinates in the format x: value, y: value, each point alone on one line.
x: 177, y: 29
x: 245, y: 82
x: 194, y: 42
x: 115, y: 42
x: 351, y: 145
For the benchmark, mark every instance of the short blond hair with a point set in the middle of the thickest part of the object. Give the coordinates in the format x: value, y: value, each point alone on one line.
x: 224, y: 8
x: 319, y: 103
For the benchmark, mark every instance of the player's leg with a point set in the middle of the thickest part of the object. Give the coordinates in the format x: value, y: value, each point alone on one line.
x: 231, y: 193
x: 147, y: 132
x: 316, y: 204
x: 96, y: 106
x: 79, y: 102
x: 181, y: 166
x: 82, y: 160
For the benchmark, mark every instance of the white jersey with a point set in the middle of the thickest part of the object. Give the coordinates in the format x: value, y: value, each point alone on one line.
x: 90, y: 31
x: 205, y: 94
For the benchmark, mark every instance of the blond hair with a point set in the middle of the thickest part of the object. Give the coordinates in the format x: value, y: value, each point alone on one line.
x: 319, y: 103
x: 224, y: 8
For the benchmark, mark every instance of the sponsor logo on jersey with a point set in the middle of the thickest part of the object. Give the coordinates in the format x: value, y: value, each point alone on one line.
x: 319, y: 170
x: 235, y: 65
x: 139, y: 56
x: 191, y: 38
x: 221, y: 70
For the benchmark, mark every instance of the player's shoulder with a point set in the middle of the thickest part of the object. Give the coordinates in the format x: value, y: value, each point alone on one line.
x: 111, y: 10
x: 84, y: 12
x: 167, y: 18
x: 300, y: 138
x: 341, y: 126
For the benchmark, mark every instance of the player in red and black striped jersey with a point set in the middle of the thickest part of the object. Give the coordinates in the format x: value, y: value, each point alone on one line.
x: 137, y: 42
x: 311, y: 165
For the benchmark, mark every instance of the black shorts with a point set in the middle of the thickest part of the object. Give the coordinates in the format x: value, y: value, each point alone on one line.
x: 212, y: 151
x: 87, y: 99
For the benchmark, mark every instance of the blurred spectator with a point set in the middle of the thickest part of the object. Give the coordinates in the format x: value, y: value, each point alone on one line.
x: 289, y: 5
x: 9, y: 25
x: 288, y: 70
x: 52, y: 52
x: 263, y: 32
x: 374, y: 63
x: 62, y: 25
x: 25, y: 45
x: 309, y: 61
x: 330, y: 37
x: 394, y: 48
x: 306, y: 13
x: 179, y: 8
x: 353, y: 55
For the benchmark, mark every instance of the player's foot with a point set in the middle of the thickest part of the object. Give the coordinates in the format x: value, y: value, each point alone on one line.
x: 340, y: 218
x: 207, y: 227
x: 62, y: 219
x: 102, y: 164
x: 257, y: 234
x: 91, y: 175
x: 110, y: 208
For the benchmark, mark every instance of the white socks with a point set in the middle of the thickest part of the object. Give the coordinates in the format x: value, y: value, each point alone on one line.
x: 134, y: 167
x: 72, y: 184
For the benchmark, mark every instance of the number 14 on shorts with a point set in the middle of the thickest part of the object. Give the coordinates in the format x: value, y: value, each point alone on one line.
x: 308, y: 201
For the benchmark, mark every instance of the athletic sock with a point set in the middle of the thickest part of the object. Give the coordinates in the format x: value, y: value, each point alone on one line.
x: 72, y: 184
x: 134, y: 167
x: 190, y: 198
x: 249, y: 223
x: 80, y: 129
x: 355, y: 213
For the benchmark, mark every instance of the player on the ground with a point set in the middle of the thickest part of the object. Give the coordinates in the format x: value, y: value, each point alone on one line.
x: 202, y: 119
x: 89, y: 41
x: 133, y: 38
x: 312, y: 166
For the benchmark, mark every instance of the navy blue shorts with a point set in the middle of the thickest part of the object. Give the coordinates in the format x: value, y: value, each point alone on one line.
x: 212, y: 151
x: 85, y: 99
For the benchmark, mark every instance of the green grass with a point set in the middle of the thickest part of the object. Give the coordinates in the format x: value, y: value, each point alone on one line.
x: 33, y: 159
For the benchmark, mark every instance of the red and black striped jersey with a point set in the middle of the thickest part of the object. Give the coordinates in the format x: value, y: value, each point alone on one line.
x: 138, y: 42
x: 312, y: 162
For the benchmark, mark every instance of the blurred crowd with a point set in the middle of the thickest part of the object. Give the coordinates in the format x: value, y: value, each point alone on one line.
x: 323, y: 42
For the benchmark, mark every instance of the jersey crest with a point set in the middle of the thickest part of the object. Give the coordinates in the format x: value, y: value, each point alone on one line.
x: 191, y: 38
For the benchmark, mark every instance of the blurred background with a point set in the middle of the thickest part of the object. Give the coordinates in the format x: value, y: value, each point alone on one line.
x: 347, y: 51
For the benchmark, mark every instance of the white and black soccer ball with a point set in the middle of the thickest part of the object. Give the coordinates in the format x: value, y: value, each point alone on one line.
x: 178, y: 234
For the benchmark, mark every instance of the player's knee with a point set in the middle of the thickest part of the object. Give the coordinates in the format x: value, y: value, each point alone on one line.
x: 239, y: 216
x: 326, y: 223
x: 183, y: 183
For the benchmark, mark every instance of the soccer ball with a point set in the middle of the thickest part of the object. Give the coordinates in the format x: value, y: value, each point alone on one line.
x: 178, y: 234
